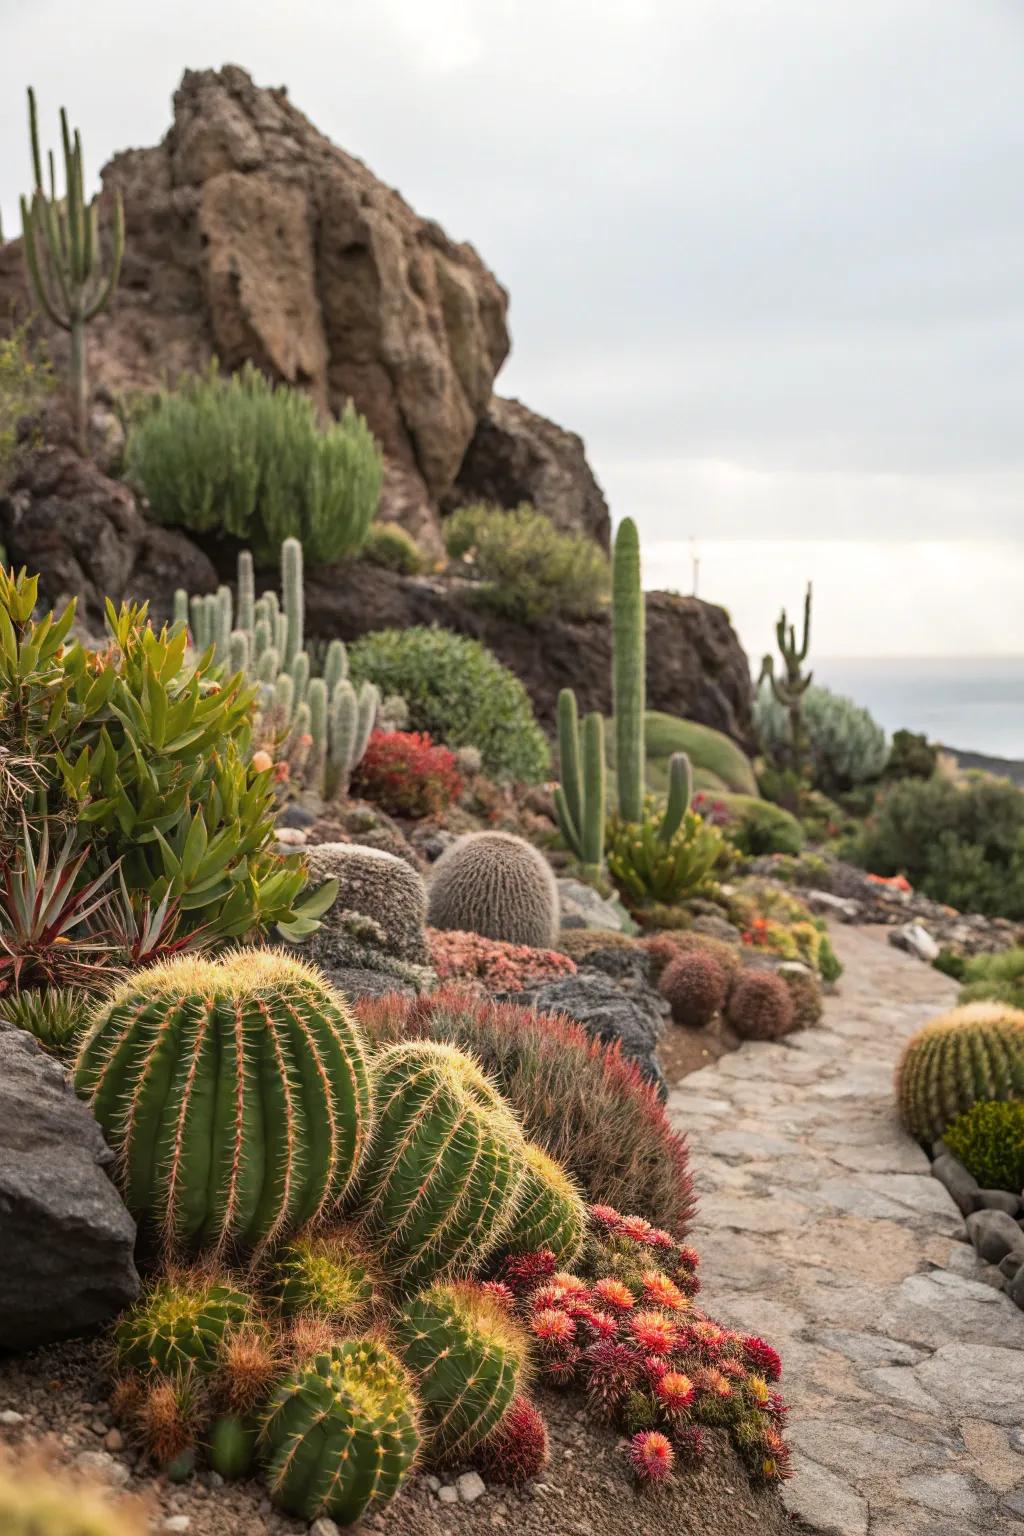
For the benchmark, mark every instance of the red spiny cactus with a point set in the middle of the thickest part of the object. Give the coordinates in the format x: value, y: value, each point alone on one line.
x: 651, y: 1456
x: 694, y: 986
x: 517, y: 1450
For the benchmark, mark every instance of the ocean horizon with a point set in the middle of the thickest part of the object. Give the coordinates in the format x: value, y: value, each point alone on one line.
x: 969, y: 703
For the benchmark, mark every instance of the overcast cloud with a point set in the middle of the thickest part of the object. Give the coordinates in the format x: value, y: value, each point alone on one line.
x: 766, y: 255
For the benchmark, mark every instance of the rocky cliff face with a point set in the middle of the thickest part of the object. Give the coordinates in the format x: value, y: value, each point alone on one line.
x: 250, y: 236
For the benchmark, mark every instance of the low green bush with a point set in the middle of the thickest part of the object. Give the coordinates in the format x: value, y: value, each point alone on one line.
x: 25, y: 381
x: 989, y: 1141
x: 458, y: 692
x: 962, y: 844
x: 709, y: 751
x: 755, y: 827
x: 911, y: 757
x: 244, y: 457
x: 528, y: 570
x: 390, y: 547
x: 997, y: 978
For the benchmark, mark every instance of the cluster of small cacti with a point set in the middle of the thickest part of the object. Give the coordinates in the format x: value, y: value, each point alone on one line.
x: 496, y: 885
x: 318, y: 726
x: 975, y: 1052
x: 627, y: 1331
x: 490, y: 965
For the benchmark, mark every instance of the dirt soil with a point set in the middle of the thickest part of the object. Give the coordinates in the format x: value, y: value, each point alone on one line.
x: 586, y: 1491
x: 682, y: 1051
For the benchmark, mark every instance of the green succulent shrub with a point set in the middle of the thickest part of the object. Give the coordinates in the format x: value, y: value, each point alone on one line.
x: 961, y: 844
x: 25, y: 381
x: 580, y: 1100
x: 989, y: 1141
x: 997, y: 978
x: 718, y: 763
x: 56, y: 1016
x: 341, y: 1434
x: 389, y: 546
x: 754, y: 827
x: 459, y: 692
x: 647, y: 869
x: 236, y: 1094
x: 847, y: 747
x: 972, y: 1053
x: 245, y: 458
x: 527, y: 569
x: 911, y: 757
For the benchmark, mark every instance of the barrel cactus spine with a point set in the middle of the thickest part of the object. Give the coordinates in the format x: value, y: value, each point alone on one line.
x: 467, y: 1353
x: 327, y: 1274
x: 180, y: 1324
x: 497, y: 885
x: 972, y: 1053
x: 440, y: 1179
x: 580, y: 797
x: 340, y: 1435
x: 235, y: 1094
x: 550, y: 1212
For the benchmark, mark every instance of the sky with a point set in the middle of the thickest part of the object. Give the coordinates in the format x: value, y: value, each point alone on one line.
x: 767, y: 256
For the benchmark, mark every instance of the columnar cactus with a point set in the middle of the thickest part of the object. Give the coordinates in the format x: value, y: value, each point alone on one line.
x: 328, y: 1275
x: 580, y: 797
x: 790, y: 689
x: 497, y: 885
x: 550, y: 1212
x: 628, y: 670
x: 440, y: 1179
x: 466, y: 1352
x: 294, y: 593
x: 235, y: 1093
x: 971, y: 1053
x: 341, y: 1434
x: 180, y: 1325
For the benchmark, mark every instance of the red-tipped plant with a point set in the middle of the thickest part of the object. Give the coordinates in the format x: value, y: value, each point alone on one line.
x: 48, y: 922
x: 517, y: 1450
x: 651, y: 1456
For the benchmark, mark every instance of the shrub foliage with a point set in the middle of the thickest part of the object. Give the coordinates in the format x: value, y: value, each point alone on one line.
x: 527, y: 569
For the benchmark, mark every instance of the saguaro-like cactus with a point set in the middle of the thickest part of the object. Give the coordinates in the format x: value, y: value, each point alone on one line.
x: 790, y: 689
x: 63, y: 254
x: 580, y: 797
x: 629, y: 682
x: 441, y: 1176
x: 235, y: 1093
x: 340, y: 1435
x: 466, y: 1352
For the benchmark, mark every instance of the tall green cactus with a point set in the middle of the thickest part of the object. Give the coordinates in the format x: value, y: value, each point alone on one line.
x: 580, y: 797
x: 293, y: 591
x: 340, y: 1435
x: 63, y: 254
x: 440, y: 1179
x: 790, y: 689
x: 629, y: 681
x: 466, y: 1353
x: 235, y: 1093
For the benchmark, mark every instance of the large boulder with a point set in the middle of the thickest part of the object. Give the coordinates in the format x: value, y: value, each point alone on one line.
x: 516, y: 456
x: 66, y: 1239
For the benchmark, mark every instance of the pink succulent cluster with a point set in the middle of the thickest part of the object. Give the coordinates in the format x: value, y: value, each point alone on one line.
x: 491, y: 964
x: 630, y: 1335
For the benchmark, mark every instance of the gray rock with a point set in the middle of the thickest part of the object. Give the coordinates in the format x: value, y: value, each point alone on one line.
x: 994, y: 1234
x: 104, y: 1467
x: 66, y: 1261
x: 606, y: 1011
x: 470, y: 1486
x: 963, y: 1186
x: 825, y: 1501
x: 1010, y: 1263
x: 999, y: 1200
x: 1015, y: 1287
x: 295, y: 815
x: 355, y: 981
x: 832, y: 906
x: 984, y: 1381
x: 448, y: 1494
x: 916, y: 940
x: 939, y: 1149
x: 583, y: 907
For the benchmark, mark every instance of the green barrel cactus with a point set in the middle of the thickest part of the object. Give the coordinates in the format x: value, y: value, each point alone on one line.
x: 180, y: 1325
x: 498, y: 885
x: 235, y: 1093
x: 550, y: 1213
x: 467, y: 1353
x: 231, y: 1446
x: 971, y: 1053
x: 441, y: 1177
x: 327, y: 1275
x: 340, y: 1435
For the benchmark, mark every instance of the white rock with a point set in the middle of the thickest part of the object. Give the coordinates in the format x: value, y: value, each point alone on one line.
x: 916, y: 940
x: 470, y: 1486
x: 324, y: 1527
x: 295, y: 837
x: 177, y: 1525
x: 448, y: 1494
x: 102, y: 1465
x: 10, y: 1419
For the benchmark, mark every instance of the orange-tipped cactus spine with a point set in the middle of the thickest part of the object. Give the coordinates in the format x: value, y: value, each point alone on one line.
x: 235, y: 1093
x: 971, y: 1053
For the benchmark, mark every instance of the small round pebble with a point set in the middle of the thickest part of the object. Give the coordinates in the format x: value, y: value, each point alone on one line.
x: 113, y: 1440
x: 10, y: 1419
x: 470, y: 1486
x: 448, y: 1494
x: 176, y: 1525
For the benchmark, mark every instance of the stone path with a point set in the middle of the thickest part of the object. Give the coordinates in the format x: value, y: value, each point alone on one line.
x: 821, y: 1227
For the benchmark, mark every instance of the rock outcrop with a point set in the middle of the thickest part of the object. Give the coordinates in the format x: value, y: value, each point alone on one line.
x: 66, y: 1239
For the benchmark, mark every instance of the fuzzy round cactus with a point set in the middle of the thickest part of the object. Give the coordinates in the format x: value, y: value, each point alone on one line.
x: 497, y: 885
x: 340, y: 1435
x: 760, y: 1007
x: 235, y: 1093
x: 328, y: 1275
x: 694, y: 986
x: 466, y: 1352
x: 971, y: 1053
x: 440, y: 1179
x: 517, y: 1450
x: 377, y: 884
x: 180, y: 1325
x: 550, y: 1212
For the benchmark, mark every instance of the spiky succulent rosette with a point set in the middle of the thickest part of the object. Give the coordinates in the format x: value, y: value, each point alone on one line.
x: 517, y: 1450
x: 328, y: 1274
x: 467, y: 1355
x: 651, y: 1456
x: 341, y: 1434
x: 440, y: 1180
x: 235, y: 1093
x: 550, y: 1212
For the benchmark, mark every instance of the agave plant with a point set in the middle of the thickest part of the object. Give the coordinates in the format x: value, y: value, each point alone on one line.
x: 41, y: 907
x: 146, y: 933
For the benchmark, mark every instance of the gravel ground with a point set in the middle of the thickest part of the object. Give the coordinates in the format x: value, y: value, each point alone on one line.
x: 57, y: 1396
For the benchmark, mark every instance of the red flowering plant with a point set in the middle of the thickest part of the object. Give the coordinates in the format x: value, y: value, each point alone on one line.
x: 407, y: 775
x: 628, y: 1332
x: 491, y: 964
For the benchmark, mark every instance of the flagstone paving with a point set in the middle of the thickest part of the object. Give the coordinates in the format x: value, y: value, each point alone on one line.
x: 821, y: 1228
